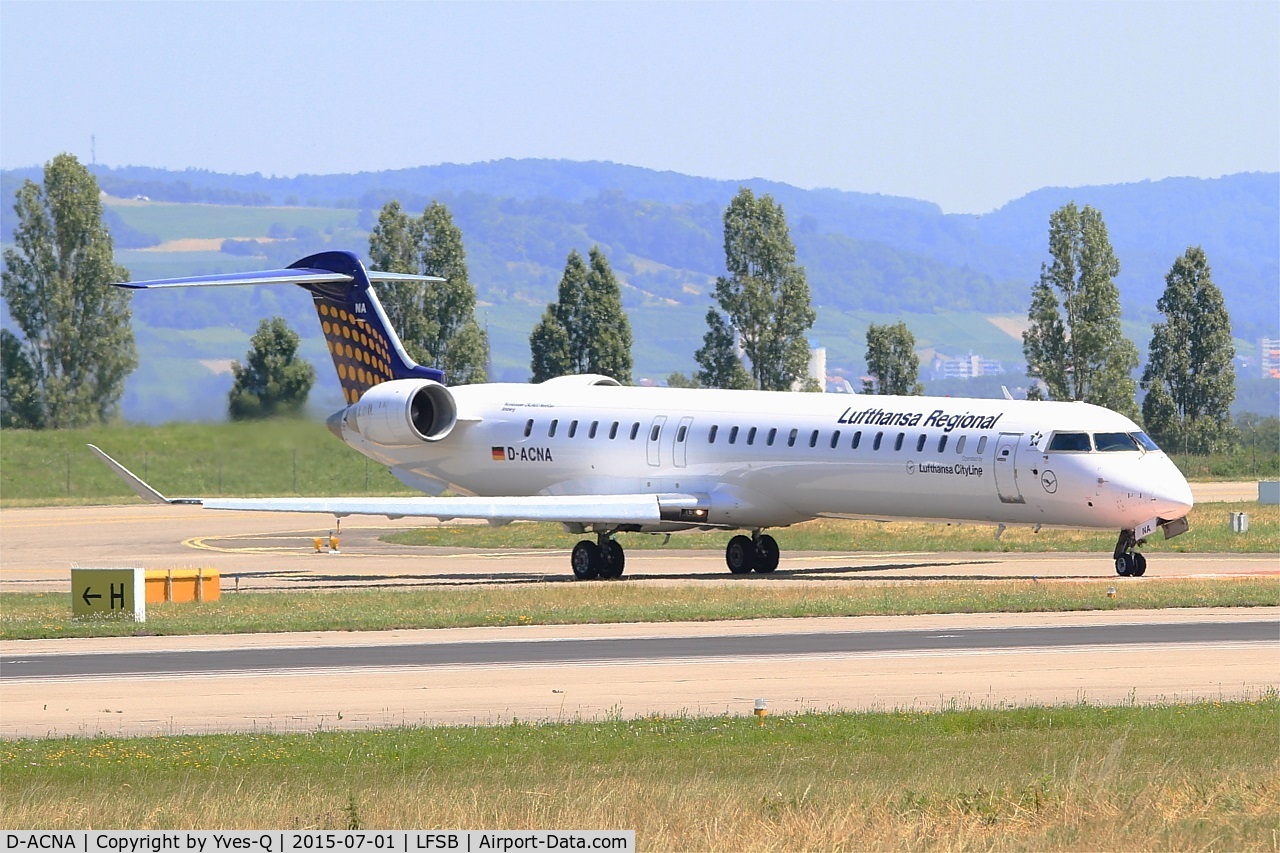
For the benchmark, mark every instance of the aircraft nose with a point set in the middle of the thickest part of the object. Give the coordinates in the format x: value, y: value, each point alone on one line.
x: 1172, y: 494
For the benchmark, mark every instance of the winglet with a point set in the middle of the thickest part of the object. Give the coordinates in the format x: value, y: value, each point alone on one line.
x: 140, y: 487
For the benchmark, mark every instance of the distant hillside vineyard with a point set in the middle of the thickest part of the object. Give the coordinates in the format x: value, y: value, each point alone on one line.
x: 961, y: 282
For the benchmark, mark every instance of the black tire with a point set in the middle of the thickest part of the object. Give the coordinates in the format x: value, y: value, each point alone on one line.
x: 1139, y: 567
x: 612, y: 560
x: 1123, y: 565
x: 586, y: 560
x: 740, y: 555
x: 767, y: 554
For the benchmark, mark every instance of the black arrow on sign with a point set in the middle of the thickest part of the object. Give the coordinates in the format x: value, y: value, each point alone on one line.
x: 87, y: 596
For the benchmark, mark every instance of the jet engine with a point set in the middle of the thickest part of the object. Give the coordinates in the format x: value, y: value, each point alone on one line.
x: 403, y: 412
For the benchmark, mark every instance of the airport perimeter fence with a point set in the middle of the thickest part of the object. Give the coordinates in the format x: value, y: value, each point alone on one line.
x: 76, y: 474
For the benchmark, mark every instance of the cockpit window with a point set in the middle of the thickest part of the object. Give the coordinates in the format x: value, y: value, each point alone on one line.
x: 1145, y: 440
x: 1110, y: 441
x: 1075, y: 441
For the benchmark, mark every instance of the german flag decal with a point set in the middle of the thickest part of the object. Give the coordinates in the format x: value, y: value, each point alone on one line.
x: 499, y: 454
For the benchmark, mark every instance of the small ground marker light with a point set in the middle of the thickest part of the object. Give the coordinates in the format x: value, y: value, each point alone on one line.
x: 1111, y: 592
x: 761, y: 712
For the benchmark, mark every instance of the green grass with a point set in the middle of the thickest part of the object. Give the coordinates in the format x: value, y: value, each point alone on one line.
x: 259, y: 458
x: 1174, y: 776
x: 173, y: 221
x: 45, y: 615
x: 1210, y: 533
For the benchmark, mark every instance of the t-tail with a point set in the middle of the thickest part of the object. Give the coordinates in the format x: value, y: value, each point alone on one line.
x: 366, y: 350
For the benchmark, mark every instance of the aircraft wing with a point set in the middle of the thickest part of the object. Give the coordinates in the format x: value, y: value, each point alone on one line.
x: 582, y: 509
x: 586, y: 509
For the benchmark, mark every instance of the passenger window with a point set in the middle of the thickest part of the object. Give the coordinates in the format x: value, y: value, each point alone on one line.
x: 551, y: 431
x: 857, y: 439
x: 920, y: 443
x: 813, y: 439
x: 681, y: 433
x: 791, y: 439
x: 635, y: 430
x: 897, y: 444
x: 942, y: 443
x: 613, y: 430
x: 1112, y: 441
x: 982, y: 445
x: 875, y: 445
x: 655, y: 432
x: 773, y: 433
x: 573, y: 428
x: 528, y: 427
x: 733, y: 435
x: 751, y: 436
x: 960, y: 444
x: 835, y: 439
x: 1069, y: 441
x: 591, y: 433
x: 711, y: 436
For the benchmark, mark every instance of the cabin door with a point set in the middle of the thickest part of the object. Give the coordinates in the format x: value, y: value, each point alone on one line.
x: 1006, y: 468
x: 655, y: 440
x: 678, y: 453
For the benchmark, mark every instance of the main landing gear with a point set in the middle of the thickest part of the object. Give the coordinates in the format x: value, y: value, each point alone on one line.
x: 1129, y: 563
x: 759, y: 553
x: 603, y: 558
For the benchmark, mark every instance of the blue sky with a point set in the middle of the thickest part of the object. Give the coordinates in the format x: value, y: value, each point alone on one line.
x: 968, y: 105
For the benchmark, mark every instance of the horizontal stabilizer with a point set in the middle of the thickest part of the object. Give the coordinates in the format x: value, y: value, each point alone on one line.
x: 303, y: 277
x: 139, y: 486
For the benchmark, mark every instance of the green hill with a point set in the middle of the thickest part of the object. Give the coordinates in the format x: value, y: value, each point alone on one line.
x: 868, y: 257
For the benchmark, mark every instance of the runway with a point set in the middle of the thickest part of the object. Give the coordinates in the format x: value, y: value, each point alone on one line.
x: 281, y: 682
x: 264, y: 551
x: 288, y: 682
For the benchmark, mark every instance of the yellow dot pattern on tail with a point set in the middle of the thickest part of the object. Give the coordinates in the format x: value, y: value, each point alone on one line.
x: 360, y: 352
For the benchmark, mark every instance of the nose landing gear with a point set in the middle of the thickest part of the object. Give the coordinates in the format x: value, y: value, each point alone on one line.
x: 1129, y: 563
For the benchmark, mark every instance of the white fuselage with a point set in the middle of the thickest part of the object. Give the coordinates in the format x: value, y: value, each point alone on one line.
x: 764, y: 459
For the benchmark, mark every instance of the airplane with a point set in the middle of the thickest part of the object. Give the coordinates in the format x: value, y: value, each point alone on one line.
x: 602, y: 459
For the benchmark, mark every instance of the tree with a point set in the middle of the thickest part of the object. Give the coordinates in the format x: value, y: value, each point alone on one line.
x: 1190, y: 378
x: 765, y: 297
x: 19, y: 391
x: 273, y: 380
x: 1085, y: 355
x: 549, y: 346
x: 892, y: 360
x: 395, y: 246
x: 607, y: 331
x: 556, y: 350
x: 585, y: 330
x: 457, y: 344
x: 718, y: 357
x: 680, y: 380
x: 76, y: 348
x: 436, y: 321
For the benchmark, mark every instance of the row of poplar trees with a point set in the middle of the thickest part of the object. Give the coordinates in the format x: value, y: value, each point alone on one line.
x: 74, y: 348
x: 1076, y: 348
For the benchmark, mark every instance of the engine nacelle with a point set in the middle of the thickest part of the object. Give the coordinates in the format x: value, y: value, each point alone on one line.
x: 404, y: 412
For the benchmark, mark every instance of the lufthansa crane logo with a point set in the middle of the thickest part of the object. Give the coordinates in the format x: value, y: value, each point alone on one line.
x: 1049, y: 481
